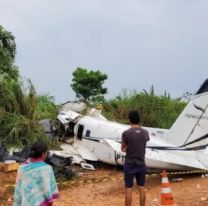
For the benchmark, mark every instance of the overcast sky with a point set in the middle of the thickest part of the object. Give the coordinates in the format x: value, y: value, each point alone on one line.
x: 137, y: 43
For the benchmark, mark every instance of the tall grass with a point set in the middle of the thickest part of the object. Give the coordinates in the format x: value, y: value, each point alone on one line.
x: 156, y: 111
x: 46, y: 107
x: 19, y: 130
x: 18, y: 113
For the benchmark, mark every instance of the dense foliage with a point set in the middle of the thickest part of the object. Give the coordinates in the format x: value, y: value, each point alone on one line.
x: 17, y: 122
x: 7, y: 55
x: 7, y: 43
x: 88, y: 84
x: 46, y: 107
x: 155, y: 111
x: 20, y: 107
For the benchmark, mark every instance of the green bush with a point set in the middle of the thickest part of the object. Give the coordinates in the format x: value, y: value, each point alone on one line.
x: 155, y: 111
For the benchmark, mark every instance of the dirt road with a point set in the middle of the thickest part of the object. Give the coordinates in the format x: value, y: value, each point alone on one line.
x: 104, y: 187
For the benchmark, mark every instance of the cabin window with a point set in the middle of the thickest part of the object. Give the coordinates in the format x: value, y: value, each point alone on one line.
x: 80, y: 131
x: 88, y: 133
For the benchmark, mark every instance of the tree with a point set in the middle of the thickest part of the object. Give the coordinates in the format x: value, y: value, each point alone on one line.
x: 7, y: 42
x: 7, y: 55
x: 88, y: 84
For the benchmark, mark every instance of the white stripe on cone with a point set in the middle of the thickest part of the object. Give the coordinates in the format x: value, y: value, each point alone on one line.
x: 166, y: 190
x: 165, y: 180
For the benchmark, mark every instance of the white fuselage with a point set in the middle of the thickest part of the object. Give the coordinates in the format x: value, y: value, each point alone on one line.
x: 184, y: 146
x: 91, y: 133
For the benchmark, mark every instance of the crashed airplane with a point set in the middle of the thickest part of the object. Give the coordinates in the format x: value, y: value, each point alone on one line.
x: 183, y: 147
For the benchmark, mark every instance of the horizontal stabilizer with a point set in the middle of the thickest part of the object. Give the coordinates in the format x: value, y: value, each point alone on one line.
x: 85, y: 153
x: 116, y: 146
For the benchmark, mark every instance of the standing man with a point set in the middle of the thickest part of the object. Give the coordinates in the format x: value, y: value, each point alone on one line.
x: 134, y: 143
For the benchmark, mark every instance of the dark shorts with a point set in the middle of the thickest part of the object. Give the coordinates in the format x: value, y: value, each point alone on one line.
x: 134, y: 170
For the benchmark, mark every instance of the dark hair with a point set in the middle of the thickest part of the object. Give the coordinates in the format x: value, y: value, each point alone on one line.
x: 38, y: 148
x: 134, y: 117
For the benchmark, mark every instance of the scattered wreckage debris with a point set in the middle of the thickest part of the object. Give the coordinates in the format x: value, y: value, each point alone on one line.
x: 61, y: 165
x: 48, y: 128
x: 87, y: 166
x: 177, y: 179
x: 72, y: 152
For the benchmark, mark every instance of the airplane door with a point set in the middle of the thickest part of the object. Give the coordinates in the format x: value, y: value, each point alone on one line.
x: 80, y: 132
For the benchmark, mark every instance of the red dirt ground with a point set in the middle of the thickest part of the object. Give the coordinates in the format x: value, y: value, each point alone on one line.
x: 104, y: 187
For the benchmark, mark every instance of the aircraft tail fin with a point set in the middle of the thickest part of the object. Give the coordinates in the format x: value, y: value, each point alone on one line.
x: 191, y: 127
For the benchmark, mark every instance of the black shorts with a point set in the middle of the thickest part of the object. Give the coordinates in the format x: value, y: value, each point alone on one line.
x: 134, y: 170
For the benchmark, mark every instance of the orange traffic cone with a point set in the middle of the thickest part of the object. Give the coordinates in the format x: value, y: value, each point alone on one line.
x: 166, y: 194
